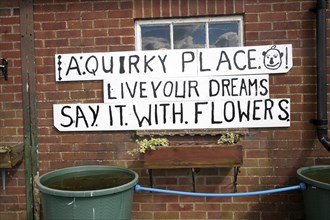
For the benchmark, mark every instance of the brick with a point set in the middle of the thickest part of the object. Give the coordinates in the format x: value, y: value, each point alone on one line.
x: 56, y: 43
x: 192, y: 8
x: 239, y: 6
x: 147, y: 8
x: 80, y: 95
x: 273, y: 35
x: 65, y: 16
x: 107, y: 6
x: 301, y: 16
x: 81, y: 42
x: 184, y: 7
x: 142, y: 215
x: 257, y: 153
x: 50, y: 156
x: 153, y: 207
x: 202, y: 8
x: 258, y: 26
x: 11, y: 199
x: 126, y: 23
x: 166, y: 198
x: 165, y: 9
x: 107, y: 23
x: 125, y: 5
x: 247, y: 215
x: 211, y: 7
x: 9, y: 20
x: 94, y: 15
x: 207, y: 207
x: 166, y: 181
x: 138, y: 8
x: 229, y: 7
x: 107, y: 40
x: 43, y: 8
x: 69, y: 86
x: 290, y: 25
x: 56, y: 95
x: 166, y: 215
x: 260, y: 171
x: 234, y: 207
x: 9, y: 215
x: 121, y: 32
x: 220, y: 200
x: 5, y: 12
x: 175, y: 8
x: 193, y: 215
x: 120, y: 14
x: 53, y: 25
x: 272, y: 215
x: 258, y: 8
x: 220, y: 215
x: 220, y: 7
x: 94, y: 33
x: 128, y: 40
x: 180, y: 207
x: 73, y: 139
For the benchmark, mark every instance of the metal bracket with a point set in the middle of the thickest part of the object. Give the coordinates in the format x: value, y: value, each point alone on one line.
x: 194, y: 171
x: 151, y: 182
x: 236, y: 171
x: 4, y: 67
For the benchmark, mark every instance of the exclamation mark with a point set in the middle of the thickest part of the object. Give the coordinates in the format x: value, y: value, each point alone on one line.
x: 286, y: 58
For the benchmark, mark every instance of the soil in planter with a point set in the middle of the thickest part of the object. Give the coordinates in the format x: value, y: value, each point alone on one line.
x: 319, y: 175
x: 88, y: 181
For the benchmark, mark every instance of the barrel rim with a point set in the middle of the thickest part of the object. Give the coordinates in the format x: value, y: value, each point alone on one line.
x: 87, y: 193
x: 309, y: 181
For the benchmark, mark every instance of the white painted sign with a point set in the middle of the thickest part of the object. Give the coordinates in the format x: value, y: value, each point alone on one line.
x: 267, y: 59
x: 185, y: 88
x: 176, y: 89
x: 148, y: 115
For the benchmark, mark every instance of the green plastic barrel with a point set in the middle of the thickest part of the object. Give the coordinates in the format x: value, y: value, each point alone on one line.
x: 87, y: 192
x: 317, y: 194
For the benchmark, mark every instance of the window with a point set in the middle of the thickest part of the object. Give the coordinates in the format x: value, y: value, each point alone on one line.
x: 186, y: 34
x: 189, y: 33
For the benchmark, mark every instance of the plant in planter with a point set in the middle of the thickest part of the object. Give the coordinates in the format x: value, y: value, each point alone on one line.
x: 229, y: 138
x: 147, y: 145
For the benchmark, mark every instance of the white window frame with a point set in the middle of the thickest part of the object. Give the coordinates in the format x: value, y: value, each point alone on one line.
x: 236, y: 18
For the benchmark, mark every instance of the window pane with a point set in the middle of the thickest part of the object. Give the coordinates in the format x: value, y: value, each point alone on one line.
x: 155, y: 37
x: 223, y: 34
x: 189, y: 36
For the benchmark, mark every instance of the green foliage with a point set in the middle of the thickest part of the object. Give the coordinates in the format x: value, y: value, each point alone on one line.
x: 229, y: 138
x: 145, y: 145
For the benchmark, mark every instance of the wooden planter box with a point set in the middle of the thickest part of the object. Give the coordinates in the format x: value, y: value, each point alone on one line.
x: 10, y: 155
x: 199, y: 156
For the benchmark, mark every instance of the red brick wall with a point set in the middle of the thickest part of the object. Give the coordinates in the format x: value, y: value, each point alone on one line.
x: 12, y: 200
x: 271, y: 156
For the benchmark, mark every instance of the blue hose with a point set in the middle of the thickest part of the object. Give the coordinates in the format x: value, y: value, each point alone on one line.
x: 301, y: 186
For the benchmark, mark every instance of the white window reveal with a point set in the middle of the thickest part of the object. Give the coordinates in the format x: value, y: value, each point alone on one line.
x: 189, y: 33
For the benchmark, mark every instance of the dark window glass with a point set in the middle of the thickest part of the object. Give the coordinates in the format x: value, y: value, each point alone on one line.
x: 155, y: 37
x: 223, y: 34
x: 189, y: 36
